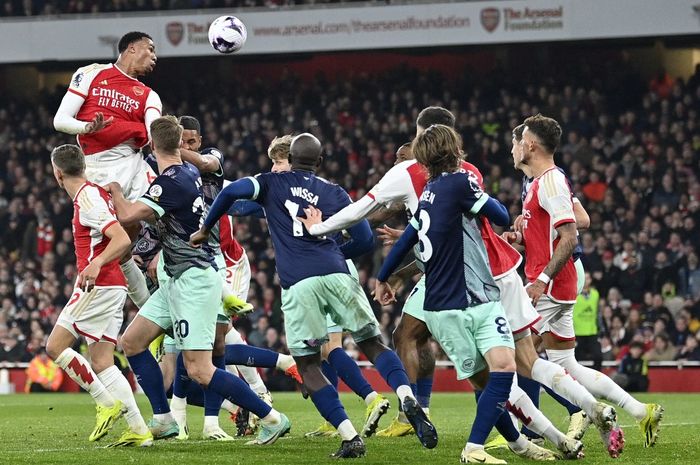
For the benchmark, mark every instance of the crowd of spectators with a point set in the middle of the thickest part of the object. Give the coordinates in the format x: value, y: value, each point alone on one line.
x: 67, y: 7
x: 630, y: 148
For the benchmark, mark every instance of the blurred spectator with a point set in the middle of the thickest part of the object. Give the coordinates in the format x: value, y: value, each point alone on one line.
x: 690, y: 351
x: 689, y: 277
x: 632, y: 374
x: 43, y: 375
x: 663, y: 351
x: 586, y: 324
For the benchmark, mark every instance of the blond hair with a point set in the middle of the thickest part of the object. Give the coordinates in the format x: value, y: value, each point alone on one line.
x: 279, y: 148
x: 439, y: 149
x: 166, y: 134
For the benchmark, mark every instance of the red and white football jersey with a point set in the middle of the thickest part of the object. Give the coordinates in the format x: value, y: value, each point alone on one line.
x: 230, y: 247
x: 405, y: 183
x: 503, y: 258
x: 106, y: 89
x: 93, y: 213
x: 547, y: 206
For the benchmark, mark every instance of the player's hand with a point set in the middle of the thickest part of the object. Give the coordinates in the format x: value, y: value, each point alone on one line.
x: 152, y: 269
x: 383, y: 293
x: 199, y: 237
x: 512, y: 237
x: 394, y: 282
x: 113, y: 188
x: 535, y: 290
x: 388, y: 235
x: 518, y: 224
x: 313, y: 216
x: 87, y: 278
x: 98, y: 122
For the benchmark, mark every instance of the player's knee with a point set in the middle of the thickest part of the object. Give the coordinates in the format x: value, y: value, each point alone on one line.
x: 53, y: 349
x: 200, y: 373
x: 503, y: 364
x: 100, y: 364
x: 130, y: 345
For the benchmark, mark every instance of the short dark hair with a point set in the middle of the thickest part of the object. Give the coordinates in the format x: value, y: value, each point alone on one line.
x: 546, y: 129
x: 190, y: 123
x: 131, y: 37
x: 435, y: 115
x: 69, y: 159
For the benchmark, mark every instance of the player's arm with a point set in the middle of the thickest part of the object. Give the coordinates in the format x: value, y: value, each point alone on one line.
x: 383, y: 292
x: 344, y: 219
x: 242, y: 208
x: 154, y: 110
x: 383, y: 213
x: 583, y: 221
x: 361, y: 240
x: 245, y: 188
x: 205, y: 163
x: 128, y: 212
x: 555, y: 197
x: 119, y: 243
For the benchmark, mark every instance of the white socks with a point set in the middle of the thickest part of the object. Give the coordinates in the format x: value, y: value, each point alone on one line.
x: 285, y: 362
x: 538, y: 423
x: 136, y: 283
x: 597, y: 383
x: 346, y: 430
x: 119, y: 387
x: 229, y: 406
x: 272, y: 418
x: 370, y: 397
x: 81, y: 372
x: 404, y: 391
x: 556, y: 378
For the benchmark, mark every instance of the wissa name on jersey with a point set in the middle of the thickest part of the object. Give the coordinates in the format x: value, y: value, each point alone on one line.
x: 305, y: 194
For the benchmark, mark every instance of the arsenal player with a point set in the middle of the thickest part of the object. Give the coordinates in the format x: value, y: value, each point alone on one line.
x: 95, y: 310
x: 549, y: 235
x: 111, y: 111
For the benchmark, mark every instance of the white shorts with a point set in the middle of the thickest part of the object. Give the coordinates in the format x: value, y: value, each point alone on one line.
x: 97, y: 315
x: 520, y: 313
x: 121, y: 165
x: 557, y: 318
x: 238, y: 276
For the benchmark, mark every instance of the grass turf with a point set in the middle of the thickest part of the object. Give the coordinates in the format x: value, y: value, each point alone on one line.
x: 53, y: 429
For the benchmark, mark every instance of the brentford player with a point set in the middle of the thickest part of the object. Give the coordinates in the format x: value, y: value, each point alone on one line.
x: 95, y: 308
x: 111, y: 111
x: 549, y: 236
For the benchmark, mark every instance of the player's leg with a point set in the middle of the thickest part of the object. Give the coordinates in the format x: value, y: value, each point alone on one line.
x: 168, y: 361
x: 556, y: 330
x: 151, y: 321
x: 212, y: 400
x: 194, y: 299
x: 335, y: 338
x: 87, y: 314
x: 102, y: 360
x: 306, y: 327
x: 350, y: 308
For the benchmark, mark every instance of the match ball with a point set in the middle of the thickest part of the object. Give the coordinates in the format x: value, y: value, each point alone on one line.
x: 227, y: 34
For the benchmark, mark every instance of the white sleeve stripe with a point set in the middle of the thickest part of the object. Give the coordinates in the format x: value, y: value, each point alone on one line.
x: 479, y: 203
x: 256, y: 186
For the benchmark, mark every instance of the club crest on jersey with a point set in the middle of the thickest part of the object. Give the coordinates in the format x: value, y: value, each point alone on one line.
x: 155, y: 191
x: 138, y: 91
x: 305, y: 194
x: 78, y: 79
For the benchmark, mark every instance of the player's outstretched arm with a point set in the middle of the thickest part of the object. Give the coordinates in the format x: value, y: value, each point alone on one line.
x: 203, y: 162
x: 119, y: 243
x: 348, y: 216
x: 129, y: 213
x: 242, y: 208
x: 361, y: 240
x: 246, y: 188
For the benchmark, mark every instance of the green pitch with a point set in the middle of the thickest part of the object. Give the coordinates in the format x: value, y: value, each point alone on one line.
x: 53, y: 429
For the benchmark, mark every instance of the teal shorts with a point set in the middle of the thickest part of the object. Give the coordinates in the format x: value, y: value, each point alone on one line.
x: 467, y: 334
x: 188, y: 305
x: 332, y: 326
x: 414, y: 304
x: 307, y: 304
x: 580, y: 276
x: 169, y: 345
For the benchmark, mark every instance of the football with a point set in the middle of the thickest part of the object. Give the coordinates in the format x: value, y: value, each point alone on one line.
x: 227, y: 34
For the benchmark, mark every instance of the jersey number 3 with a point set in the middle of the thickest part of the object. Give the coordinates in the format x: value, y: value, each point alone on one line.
x: 293, y: 209
x: 426, y: 247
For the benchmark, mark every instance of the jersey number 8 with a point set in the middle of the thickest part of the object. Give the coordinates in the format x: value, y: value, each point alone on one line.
x: 426, y: 247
